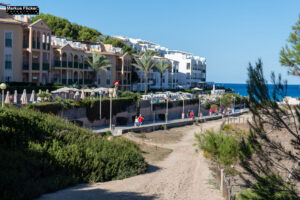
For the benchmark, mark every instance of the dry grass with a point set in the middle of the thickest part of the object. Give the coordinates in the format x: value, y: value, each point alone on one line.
x: 154, y: 154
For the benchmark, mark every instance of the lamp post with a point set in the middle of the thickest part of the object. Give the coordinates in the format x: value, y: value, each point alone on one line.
x: 199, y: 109
x: 110, y: 91
x: 183, y: 103
x: 153, y: 113
x: 2, y: 87
x: 233, y: 104
x: 100, y: 96
x: 167, y: 108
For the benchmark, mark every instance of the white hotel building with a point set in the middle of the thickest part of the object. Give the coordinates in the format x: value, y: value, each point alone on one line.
x: 187, y: 71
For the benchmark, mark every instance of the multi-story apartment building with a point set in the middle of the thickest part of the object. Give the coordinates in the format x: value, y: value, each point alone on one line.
x: 191, y: 70
x: 29, y: 53
x: 169, y: 78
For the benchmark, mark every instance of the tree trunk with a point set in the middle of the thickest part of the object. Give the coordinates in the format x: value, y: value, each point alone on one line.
x: 146, y: 82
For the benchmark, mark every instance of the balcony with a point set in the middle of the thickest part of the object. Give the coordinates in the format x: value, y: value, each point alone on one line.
x: 70, y: 64
x: 57, y: 63
x: 46, y: 66
x: 25, y: 66
x: 81, y: 66
x: 35, y: 66
x: 75, y: 64
x: 38, y: 45
x: 119, y: 68
x: 33, y: 44
x: 64, y: 63
x: 25, y: 44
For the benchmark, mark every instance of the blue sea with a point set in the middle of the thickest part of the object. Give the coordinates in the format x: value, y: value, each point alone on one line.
x: 241, y: 89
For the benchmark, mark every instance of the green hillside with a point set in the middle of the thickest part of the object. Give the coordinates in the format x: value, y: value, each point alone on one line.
x: 41, y: 153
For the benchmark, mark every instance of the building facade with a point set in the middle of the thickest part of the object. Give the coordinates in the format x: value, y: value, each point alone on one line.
x: 30, y: 54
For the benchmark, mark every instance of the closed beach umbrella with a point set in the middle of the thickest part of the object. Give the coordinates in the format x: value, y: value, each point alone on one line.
x: 32, y: 97
x: 82, y: 95
x: 39, y: 98
x: 25, y: 101
x: 7, y: 98
x: 16, y: 97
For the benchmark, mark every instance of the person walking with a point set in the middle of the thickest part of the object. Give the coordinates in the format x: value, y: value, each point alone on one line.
x: 182, y: 115
x: 210, y: 112
x: 192, y: 114
x: 141, y: 118
x: 136, y: 121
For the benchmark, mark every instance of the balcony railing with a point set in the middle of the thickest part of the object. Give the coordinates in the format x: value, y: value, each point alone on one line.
x: 64, y: 63
x: 25, y: 44
x: 45, y: 66
x: 75, y: 64
x: 25, y: 66
x: 70, y: 64
x: 57, y: 63
x: 35, y: 66
x: 33, y: 44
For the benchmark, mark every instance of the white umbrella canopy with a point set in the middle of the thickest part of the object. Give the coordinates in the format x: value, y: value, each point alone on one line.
x: 16, y: 96
x: 32, y: 97
x: 65, y: 90
x: 7, y: 97
x: 196, y: 88
x: 82, y: 95
x: 92, y: 94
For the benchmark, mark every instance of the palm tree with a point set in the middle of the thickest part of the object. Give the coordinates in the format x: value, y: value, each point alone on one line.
x: 145, y: 64
x: 162, y: 66
x: 99, y: 62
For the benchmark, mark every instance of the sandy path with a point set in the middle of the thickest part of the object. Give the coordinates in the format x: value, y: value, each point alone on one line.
x: 183, y: 175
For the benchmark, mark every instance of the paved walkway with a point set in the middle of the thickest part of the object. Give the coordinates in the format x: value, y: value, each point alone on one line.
x: 149, y: 124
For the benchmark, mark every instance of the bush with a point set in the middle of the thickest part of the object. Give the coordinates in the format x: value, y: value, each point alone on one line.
x: 41, y: 153
x: 223, y: 148
x: 272, y: 187
x: 121, y: 120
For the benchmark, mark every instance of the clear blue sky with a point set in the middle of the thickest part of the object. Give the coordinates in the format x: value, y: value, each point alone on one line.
x: 230, y: 33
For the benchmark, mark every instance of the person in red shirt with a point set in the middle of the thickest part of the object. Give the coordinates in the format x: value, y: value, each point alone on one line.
x: 192, y: 114
x: 210, y: 112
x: 141, y: 118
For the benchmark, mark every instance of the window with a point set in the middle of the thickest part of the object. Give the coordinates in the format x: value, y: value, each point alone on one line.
x: 8, y: 60
x: 107, y: 82
x: 8, y: 39
x: 188, y: 66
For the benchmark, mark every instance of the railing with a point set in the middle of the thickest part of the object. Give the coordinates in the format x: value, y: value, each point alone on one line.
x: 25, y: 44
x: 33, y: 44
x: 70, y: 64
x: 75, y: 64
x: 25, y: 66
x: 35, y: 66
x: 45, y: 66
x: 64, y: 63
x: 57, y: 63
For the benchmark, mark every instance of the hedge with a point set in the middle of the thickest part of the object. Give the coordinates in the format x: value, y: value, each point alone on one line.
x: 42, y: 153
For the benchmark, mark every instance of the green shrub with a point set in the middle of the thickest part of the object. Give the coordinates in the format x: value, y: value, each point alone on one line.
x: 41, y: 153
x: 224, y: 148
x: 272, y: 187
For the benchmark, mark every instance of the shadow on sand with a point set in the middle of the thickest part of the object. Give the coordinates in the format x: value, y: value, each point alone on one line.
x: 78, y: 193
x: 88, y: 192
